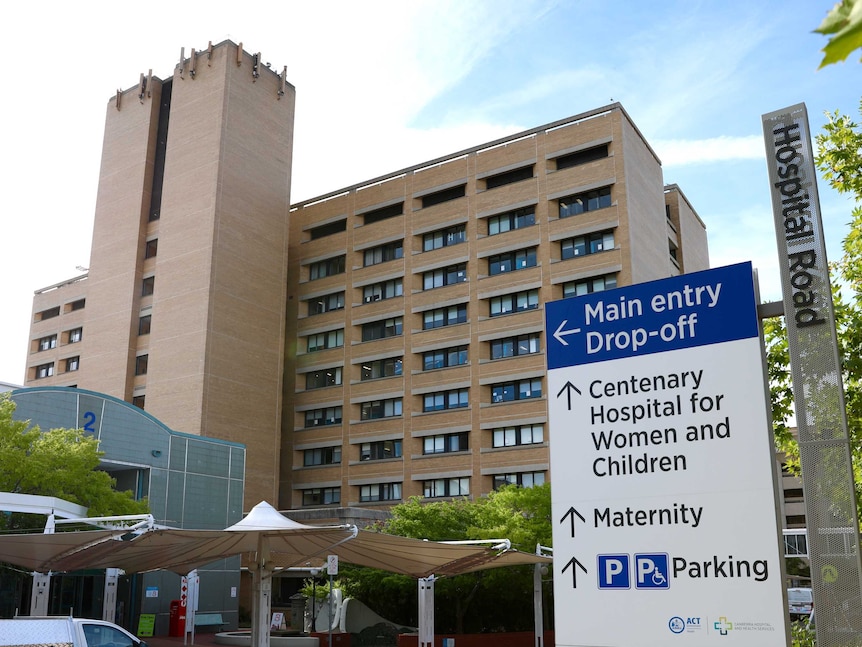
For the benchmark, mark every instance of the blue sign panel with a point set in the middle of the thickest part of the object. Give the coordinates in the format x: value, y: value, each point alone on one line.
x: 686, y: 311
x: 614, y: 571
x: 651, y: 571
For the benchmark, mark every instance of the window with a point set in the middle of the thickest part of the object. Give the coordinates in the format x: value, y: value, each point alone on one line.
x: 518, y: 435
x: 141, y: 362
x: 75, y: 335
x: 517, y: 219
x: 672, y: 252
x: 77, y: 305
x: 444, y: 237
x: 326, y: 303
x: 328, y: 267
x: 444, y: 276
x: 381, y: 329
x: 454, y: 356
x: 323, y: 378
x: 148, y: 286
x: 328, y: 229
x: 322, y: 456
x: 589, y: 244
x: 139, y: 401
x: 521, y: 390
x: 380, y: 450
x: 582, y: 157
x: 510, y: 261
x: 442, y: 400
x: 47, y: 343
x: 102, y: 635
x: 323, y: 417
x: 383, y: 213
x: 582, y: 202
x: 588, y: 286
x: 445, y: 443
x: 321, y: 496
x: 151, y: 248
x: 444, y: 196
x: 380, y: 409
x: 509, y: 177
x: 50, y: 313
x: 72, y: 364
x: 527, y: 300
x: 44, y: 370
x: 382, y: 368
x: 383, y: 253
x: 144, y: 324
x: 324, y: 340
x: 380, y: 492
x: 524, y: 479
x: 514, y: 346
x: 383, y: 291
x: 440, y: 317
x: 446, y: 487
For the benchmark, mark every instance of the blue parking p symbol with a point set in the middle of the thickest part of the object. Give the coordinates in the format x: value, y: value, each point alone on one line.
x: 613, y: 572
x: 652, y: 571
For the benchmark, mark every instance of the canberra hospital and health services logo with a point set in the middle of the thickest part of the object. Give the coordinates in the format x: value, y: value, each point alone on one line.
x: 722, y: 625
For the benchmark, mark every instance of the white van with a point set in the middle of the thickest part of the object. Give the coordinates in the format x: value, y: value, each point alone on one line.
x: 29, y: 631
x: 800, y: 602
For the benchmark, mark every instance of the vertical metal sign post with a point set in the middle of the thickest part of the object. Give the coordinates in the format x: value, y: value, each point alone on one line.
x: 332, y: 571
x: 663, y: 473
x: 824, y: 444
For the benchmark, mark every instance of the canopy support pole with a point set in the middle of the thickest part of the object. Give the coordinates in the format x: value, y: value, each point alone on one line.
x: 261, y: 607
x: 426, y: 611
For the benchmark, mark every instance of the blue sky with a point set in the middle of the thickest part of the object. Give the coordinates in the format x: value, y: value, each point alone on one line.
x: 383, y: 85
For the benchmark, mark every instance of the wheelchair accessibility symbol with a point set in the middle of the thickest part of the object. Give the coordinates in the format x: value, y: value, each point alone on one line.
x: 651, y: 571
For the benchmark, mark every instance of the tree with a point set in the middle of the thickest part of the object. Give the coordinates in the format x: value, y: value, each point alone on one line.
x: 839, y: 159
x: 492, y: 600
x: 61, y: 463
x: 844, y: 23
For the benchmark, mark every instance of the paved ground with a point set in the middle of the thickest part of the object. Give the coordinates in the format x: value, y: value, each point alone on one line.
x: 201, y: 640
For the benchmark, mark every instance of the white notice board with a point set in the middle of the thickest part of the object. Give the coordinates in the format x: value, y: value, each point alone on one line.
x: 663, y: 495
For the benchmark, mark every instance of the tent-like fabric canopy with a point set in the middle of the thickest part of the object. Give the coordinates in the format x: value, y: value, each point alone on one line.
x: 288, y: 544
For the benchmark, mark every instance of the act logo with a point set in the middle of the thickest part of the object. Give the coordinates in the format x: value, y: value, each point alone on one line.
x: 688, y: 624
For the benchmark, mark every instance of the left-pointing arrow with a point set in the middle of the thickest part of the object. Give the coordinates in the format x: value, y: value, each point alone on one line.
x: 559, y: 333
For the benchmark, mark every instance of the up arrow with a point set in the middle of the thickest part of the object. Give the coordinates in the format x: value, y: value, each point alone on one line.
x: 560, y: 333
x: 575, y: 564
x: 568, y: 387
x: 572, y: 513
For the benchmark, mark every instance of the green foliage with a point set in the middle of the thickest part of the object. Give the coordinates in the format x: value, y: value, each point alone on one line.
x: 61, y: 463
x: 844, y: 26
x: 801, y: 635
x: 492, y: 600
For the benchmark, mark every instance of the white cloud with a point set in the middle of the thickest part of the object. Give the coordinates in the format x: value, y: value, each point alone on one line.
x: 679, y: 152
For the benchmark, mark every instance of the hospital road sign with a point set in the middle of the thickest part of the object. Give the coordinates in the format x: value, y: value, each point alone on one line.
x: 662, y: 466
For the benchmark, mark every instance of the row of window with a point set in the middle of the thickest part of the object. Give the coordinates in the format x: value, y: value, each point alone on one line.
x: 452, y: 315
x: 516, y: 219
x: 497, y: 180
x: 497, y: 264
x: 433, y: 488
x: 70, y: 364
x: 54, y: 311
x: 49, y: 342
x: 435, y: 401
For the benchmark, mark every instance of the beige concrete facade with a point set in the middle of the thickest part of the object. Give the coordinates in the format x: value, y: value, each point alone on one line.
x: 184, y: 309
x: 423, y: 429
x: 382, y: 341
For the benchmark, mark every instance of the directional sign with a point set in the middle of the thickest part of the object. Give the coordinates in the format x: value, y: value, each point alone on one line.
x: 662, y: 466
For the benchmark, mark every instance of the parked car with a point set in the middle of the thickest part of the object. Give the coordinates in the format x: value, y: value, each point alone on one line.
x: 30, y: 631
x: 800, y: 602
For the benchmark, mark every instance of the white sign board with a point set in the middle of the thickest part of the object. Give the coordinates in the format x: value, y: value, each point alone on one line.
x: 663, y: 491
